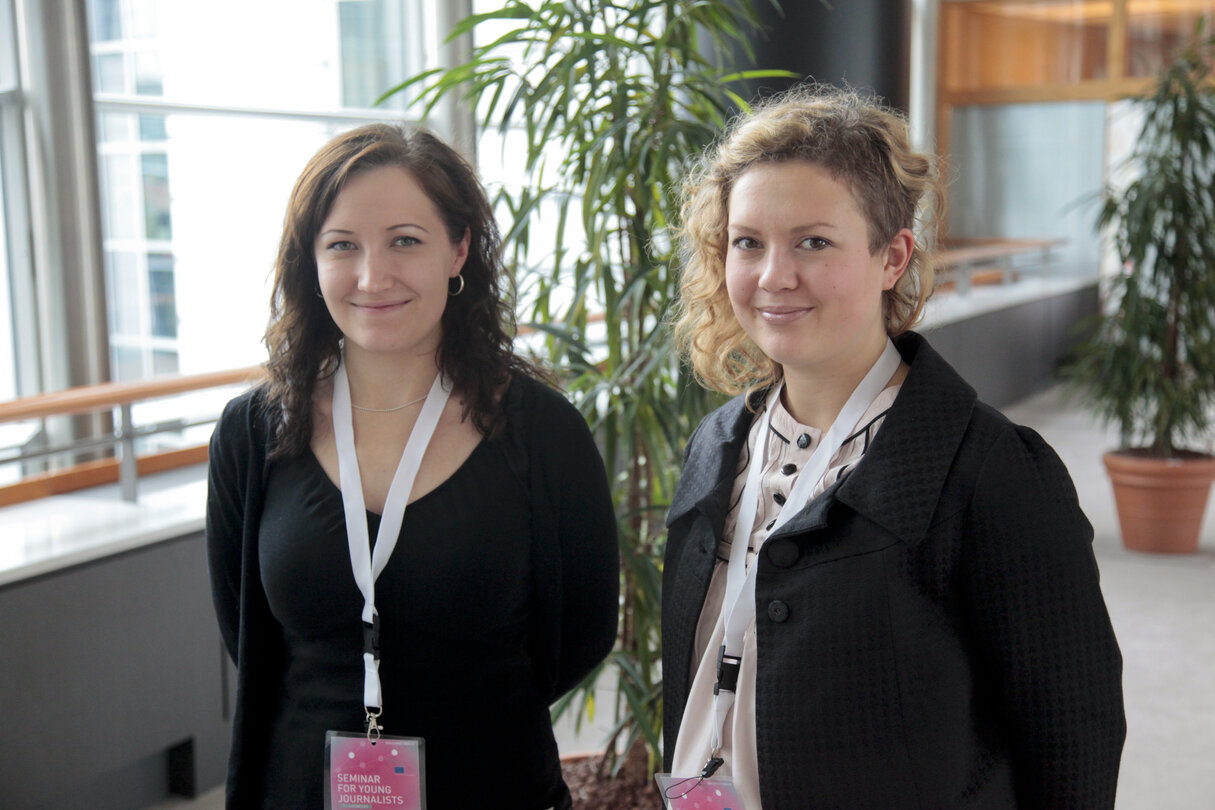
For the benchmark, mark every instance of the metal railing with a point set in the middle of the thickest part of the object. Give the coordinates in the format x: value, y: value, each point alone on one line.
x: 119, y: 399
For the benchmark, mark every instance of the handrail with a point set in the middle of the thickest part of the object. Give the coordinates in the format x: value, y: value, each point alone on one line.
x: 963, y: 256
x: 121, y: 396
x: 111, y: 395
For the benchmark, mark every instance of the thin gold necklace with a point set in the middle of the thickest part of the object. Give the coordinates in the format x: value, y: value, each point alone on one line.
x: 388, y: 410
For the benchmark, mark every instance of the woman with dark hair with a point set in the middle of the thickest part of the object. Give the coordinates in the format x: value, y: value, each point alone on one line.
x: 408, y: 533
x: 878, y: 592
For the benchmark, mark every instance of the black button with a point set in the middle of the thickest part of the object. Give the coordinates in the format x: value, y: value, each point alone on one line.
x: 782, y: 553
x: 780, y: 499
x: 803, y: 441
x: 778, y: 611
x: 788, y: 469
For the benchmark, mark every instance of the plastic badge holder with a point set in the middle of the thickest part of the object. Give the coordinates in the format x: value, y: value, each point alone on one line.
x: 695, y: 793
x: 362, y: 775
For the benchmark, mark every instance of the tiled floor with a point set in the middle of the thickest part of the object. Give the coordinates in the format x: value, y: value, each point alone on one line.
x: 1163, y: 610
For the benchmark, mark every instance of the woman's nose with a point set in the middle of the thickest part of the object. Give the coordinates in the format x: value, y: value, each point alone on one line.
x: 374, y: 274
x: 778, y: 272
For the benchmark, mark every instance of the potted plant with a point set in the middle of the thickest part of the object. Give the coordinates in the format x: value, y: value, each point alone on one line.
x: 1149, y: 363
x: 610, y: 102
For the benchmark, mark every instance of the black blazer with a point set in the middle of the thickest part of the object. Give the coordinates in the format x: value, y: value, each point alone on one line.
x: 931, y: 631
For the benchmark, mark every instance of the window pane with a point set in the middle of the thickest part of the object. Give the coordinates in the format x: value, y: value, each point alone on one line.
x: 122, y: 276
x: 1030, y: 171
x: 321, y: 55
x: 120, y: 197
x: 207, y: 229
x: 1006, y: 43
x: 162, y: 297
x: 164, y: 362
x: 194, y: 200
x: 158, y: 222
x: 105, y: 20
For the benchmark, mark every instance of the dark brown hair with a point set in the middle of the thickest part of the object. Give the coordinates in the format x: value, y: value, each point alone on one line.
x: 476, y: 352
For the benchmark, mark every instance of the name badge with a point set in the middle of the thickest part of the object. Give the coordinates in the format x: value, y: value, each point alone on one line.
x: 697, y: 793
x: 365, y: 775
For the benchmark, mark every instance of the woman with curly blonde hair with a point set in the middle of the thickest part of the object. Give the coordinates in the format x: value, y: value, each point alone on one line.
x: 877, y: 592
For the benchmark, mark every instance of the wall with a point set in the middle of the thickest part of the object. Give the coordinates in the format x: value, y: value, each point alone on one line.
x: 1008, y: 354
x: 114, y: 687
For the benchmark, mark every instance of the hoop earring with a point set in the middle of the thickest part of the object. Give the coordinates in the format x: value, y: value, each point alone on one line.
x: 460, y: 289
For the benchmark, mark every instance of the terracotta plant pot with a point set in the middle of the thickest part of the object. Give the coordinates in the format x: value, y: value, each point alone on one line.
x: 1160, y: 501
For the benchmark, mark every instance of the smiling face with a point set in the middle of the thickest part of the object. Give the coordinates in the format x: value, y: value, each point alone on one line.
x: 384, y: 258
x: 800, y: 276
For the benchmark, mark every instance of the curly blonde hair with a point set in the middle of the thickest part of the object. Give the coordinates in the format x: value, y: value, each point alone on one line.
x: 860, y: 143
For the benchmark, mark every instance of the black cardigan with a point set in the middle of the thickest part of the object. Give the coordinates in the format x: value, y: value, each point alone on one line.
x: 575, y: 559
x: 931, y: 631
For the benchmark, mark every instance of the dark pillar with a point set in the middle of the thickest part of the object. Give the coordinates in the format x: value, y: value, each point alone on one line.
x: 863, y: 43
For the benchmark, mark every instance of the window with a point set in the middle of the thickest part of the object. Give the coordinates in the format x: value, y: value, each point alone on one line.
x: 1030, y: 111
x: 203, y: 127
x: 11, y: 202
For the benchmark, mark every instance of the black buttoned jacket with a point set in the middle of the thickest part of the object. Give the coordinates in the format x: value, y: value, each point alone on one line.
x: 930, y: 630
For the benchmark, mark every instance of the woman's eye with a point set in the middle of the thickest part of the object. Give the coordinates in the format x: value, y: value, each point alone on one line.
x: 341, y: 245
x: 406, y: 241
x: 745, y: 243
x: 815, y: 242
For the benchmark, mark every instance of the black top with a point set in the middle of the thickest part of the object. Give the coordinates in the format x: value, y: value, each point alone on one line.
x: 451, y: 671
x: 500, y: 597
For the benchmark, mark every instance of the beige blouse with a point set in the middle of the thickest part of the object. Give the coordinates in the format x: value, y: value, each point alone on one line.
x: 790, y: 446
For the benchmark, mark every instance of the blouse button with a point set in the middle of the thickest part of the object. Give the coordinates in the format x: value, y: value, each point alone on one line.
x: 780, y: 499
x: 788, y: 469
x: 803, y: 441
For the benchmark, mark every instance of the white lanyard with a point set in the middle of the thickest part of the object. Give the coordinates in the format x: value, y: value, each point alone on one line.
x: 739, y: 604
x: 366, y: 565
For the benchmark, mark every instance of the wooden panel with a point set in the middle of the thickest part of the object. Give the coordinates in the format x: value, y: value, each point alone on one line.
x: 95, y: 474
x: 990, y: 45
x: 109, y: 395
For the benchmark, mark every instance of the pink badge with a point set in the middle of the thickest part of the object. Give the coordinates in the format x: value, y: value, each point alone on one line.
x: 361, y: 775
x: 695, y: 793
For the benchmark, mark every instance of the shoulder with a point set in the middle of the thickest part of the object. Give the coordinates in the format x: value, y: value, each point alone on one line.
x: 723, y: 426
x: 711, y: 455
x: 245, y: 420
x: 533, y: 404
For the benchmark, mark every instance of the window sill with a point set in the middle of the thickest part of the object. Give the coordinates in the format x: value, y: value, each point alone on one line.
x: 55, y: 533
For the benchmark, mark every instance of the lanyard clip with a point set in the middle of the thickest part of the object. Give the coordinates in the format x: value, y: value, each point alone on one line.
x: 371, y: 636
x: 373, y: 726
x: 727, y: 671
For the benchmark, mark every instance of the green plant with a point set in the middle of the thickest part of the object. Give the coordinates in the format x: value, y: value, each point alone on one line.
x: 613, y: 101
x: 1149, y: 365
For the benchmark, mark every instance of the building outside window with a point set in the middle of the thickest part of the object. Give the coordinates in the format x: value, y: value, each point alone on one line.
x: 203, y: 126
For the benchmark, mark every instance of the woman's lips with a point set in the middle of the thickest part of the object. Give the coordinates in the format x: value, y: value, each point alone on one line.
x: 376, y: 307
x: 784, y: 314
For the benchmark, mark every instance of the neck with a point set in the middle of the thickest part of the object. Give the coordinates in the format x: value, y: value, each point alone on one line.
x: 382, y: 381
x: 815, y: 397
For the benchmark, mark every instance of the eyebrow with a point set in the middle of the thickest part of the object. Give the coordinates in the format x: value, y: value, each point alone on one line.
x: 809, y: 226
x: 341, y: 231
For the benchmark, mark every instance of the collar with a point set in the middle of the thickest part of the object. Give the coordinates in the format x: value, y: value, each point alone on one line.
x: 900, y: 480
